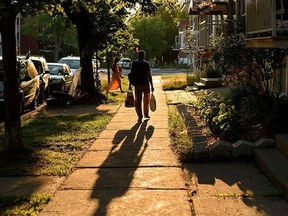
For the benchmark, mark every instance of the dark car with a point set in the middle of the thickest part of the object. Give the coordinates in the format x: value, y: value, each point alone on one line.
x: 29, y: 85
x: 61, y: 77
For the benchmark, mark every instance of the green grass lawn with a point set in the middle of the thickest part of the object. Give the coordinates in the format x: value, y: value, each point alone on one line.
x: 53, y: 145
x: 178, y: 81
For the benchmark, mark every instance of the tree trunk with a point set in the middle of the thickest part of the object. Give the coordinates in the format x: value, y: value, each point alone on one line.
x: 57, y: 39
x: 85, y: 31
x: 13, y: 135
x: 87, y: 78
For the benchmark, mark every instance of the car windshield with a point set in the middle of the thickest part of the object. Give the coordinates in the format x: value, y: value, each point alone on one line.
x: 55, y: 69
x: 72, y: 63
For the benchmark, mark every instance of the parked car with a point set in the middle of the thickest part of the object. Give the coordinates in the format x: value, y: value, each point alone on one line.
x: 61, y: 77
x: 43, y: 70
x: 29, y: 84
x: 74, y: 63
x: 125, y: 63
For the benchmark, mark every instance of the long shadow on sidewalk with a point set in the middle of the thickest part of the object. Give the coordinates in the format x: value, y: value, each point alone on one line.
x: 126, y: 159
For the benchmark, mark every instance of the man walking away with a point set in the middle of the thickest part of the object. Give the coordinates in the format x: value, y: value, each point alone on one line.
x: 142, y: 81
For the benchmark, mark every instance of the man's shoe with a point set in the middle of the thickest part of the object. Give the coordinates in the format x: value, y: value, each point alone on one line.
x: 147, y: 117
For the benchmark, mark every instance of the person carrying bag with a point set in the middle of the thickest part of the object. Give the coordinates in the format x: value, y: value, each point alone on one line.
x: 140, y: 77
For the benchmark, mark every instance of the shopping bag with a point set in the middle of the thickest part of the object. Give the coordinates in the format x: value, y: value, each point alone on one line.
x: 129, y: 100
x: 152, y: 102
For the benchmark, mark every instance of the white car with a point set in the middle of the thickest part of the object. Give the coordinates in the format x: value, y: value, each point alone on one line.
x: 74, y: 63
x: 125, y: 63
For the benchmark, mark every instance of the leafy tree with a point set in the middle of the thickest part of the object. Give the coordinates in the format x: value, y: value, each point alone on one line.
x: 151, y: 34
x: 162, y: 26
x: 86, y: 16
x: 12, y: 124
x: 56, y: 30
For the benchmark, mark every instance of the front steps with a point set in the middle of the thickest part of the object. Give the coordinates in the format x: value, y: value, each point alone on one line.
x: 206, y: 83
x: 274, y: 162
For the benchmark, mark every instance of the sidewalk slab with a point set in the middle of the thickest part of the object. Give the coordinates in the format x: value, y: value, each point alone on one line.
x: 125, y: 178
x: 127, y: 126
x: 132, y: 118
x: 118, y: 203
x: 128, y: 158
x: 124, y: 143
x: 144, y: 132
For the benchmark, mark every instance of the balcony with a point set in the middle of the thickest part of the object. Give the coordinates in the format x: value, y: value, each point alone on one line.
x: 211, y: 8
x: 184, y: 5
x: 267, y: 23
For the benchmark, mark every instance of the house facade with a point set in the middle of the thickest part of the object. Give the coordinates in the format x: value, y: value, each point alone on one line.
x: 206, y: 20
x: 266, y: 27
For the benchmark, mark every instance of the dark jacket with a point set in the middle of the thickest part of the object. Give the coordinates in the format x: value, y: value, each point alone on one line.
x: 141, y: 71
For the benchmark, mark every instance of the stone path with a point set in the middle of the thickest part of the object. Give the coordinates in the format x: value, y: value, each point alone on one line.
x: 180, y: 97
x: 129, y: 170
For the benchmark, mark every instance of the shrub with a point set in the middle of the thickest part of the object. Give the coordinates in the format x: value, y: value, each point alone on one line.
x: 212, y: 72
x: 220, y: 116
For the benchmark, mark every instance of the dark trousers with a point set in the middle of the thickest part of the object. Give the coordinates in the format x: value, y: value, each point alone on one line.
x: 142, y: 92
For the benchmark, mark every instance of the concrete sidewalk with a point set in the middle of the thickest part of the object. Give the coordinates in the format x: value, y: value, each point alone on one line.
x: 129, y: 170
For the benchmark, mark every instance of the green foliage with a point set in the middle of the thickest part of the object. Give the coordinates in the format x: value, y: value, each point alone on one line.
x: 163, y: 24
x: 220, y: 116
x: 181, y: 142
x: 267, y: 112
x: 27, y: 205
x: 244, y: 113
x: 174, y: 82
x: 144, y: 28
x: 212, y: 72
